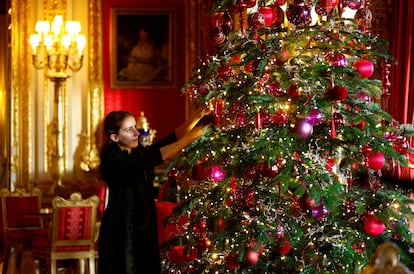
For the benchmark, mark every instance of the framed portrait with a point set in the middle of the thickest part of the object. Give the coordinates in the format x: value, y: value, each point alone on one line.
x: 142, y: 47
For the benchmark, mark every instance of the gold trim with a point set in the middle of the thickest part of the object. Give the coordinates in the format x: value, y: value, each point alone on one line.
x: 22, y: 122
x: 90, y: 139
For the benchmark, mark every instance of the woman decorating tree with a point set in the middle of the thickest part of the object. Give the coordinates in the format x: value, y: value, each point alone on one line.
x: 128, y: 239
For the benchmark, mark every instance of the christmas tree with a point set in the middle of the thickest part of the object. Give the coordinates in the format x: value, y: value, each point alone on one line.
x: 287, y: 178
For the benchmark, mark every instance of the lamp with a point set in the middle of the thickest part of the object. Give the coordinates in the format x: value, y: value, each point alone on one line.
x: 59, y: 48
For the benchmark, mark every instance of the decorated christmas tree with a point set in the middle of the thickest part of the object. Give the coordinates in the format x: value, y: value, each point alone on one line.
x: 287, y: 178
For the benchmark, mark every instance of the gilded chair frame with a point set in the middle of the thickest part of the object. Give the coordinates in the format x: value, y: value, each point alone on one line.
x: 57, y: 249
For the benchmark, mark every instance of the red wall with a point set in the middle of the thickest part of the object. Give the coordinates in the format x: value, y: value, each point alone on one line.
x: 163, y: 107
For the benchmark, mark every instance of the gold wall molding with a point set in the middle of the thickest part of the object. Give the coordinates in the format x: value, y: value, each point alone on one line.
x: 21, y: 106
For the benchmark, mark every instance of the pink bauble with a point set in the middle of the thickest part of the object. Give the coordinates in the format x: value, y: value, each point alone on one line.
x: 352, y: 4
x: 375, y: 160
x: 315, y: 117
x: 336, y: 59
x: 373, y: 225
x: 303, y: 128
x: 252, y: 257
x: 364, y: 97
x: 364, y: 67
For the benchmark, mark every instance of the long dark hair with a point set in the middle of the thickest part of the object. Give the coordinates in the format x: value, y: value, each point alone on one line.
x: 112, y: 124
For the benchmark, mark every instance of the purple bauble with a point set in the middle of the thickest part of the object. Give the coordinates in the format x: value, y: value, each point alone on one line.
x: 336, y: 59
x: 352, y: 4
x: 303, y: 128
x: 364, y: 97
x: 315, y: 117
x: 299, y: 14
x: 320, y: 212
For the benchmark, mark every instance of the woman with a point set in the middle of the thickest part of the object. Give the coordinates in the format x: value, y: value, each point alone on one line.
x: 128, y: 239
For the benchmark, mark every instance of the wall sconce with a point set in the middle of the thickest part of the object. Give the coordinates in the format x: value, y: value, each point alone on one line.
x: 59, y: 48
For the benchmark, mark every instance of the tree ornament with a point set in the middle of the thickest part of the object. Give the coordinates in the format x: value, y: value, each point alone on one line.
x: 352, y: 4
x: 216, y: 19
x: 363, y: 17
x: 256, y: 20
x: 320, y: 212
x: 280, y: 118
x: 246, y: 3
x: 364, y: 97
x: 364, y: 67
x: 279, y: 15
x: 299, y: 14
x: 218, y: 36
x: 217, y: 173
x: 336, y: 93
x: 269, y: 14
x: 303, y: 128
x: 283, y: 246
x: 307, y: 202
x: 336, y: 59
x: 315, y: 117
x: 199, y: 172
x: 349, y: 206
x: 226, y: 23
x: 224, y: 72
x: 401, y: 145
x: 375, y: 160
x: 179, y: 254
x: 232, y: 261
x: 252, y: 257
x: 359, y: 247
x: 275, y: 89
x: 373, y: 225
x: 246, y: 198
x: 338, y: 119
x: 280, y: 2
x: 293, y: 91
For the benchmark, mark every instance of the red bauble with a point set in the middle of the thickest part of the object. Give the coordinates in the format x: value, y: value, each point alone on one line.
x: 293, y: 90
x: 246, y: 3
x: 199, y: 172
x: 269, y: 15
x: 252, y: 257
x: 337, y: 93
x: 232, y: 261
x: 278, y: 14
x: 401, y: 145
x: 256, y: 20
x: 224, y: 72
x: 375, y: 160
x: 363, y: 17
x: 364, y: 67
x: 218, y: 36
x: 280, y: 2
x: 283, y: 246
x: 280, y: 117
x: 176, y: 254
x: 373, y: 225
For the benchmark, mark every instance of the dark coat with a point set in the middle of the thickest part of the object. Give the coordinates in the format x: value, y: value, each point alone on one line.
x: 128, y: 237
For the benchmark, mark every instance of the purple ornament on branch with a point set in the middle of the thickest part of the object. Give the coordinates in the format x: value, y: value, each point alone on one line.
x: 303, y: 128
x: 320, y: 212
x: 352, y: 4
x: 299, y: 14
x: 336, y: 59
x: 315, y: 117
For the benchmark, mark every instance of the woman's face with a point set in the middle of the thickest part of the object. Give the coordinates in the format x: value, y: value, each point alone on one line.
x: 127, y: 137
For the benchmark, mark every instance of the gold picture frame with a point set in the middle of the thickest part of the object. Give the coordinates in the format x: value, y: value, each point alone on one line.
x: 142, y: 47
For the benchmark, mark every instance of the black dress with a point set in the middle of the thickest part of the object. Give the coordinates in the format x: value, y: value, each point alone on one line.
x: 128, y: 236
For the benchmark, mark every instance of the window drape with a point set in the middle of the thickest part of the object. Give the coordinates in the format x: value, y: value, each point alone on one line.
x: 401, y: 102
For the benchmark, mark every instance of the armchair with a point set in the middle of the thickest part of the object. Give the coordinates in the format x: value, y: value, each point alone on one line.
x: 21, y: 222
x: 72, y: 232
